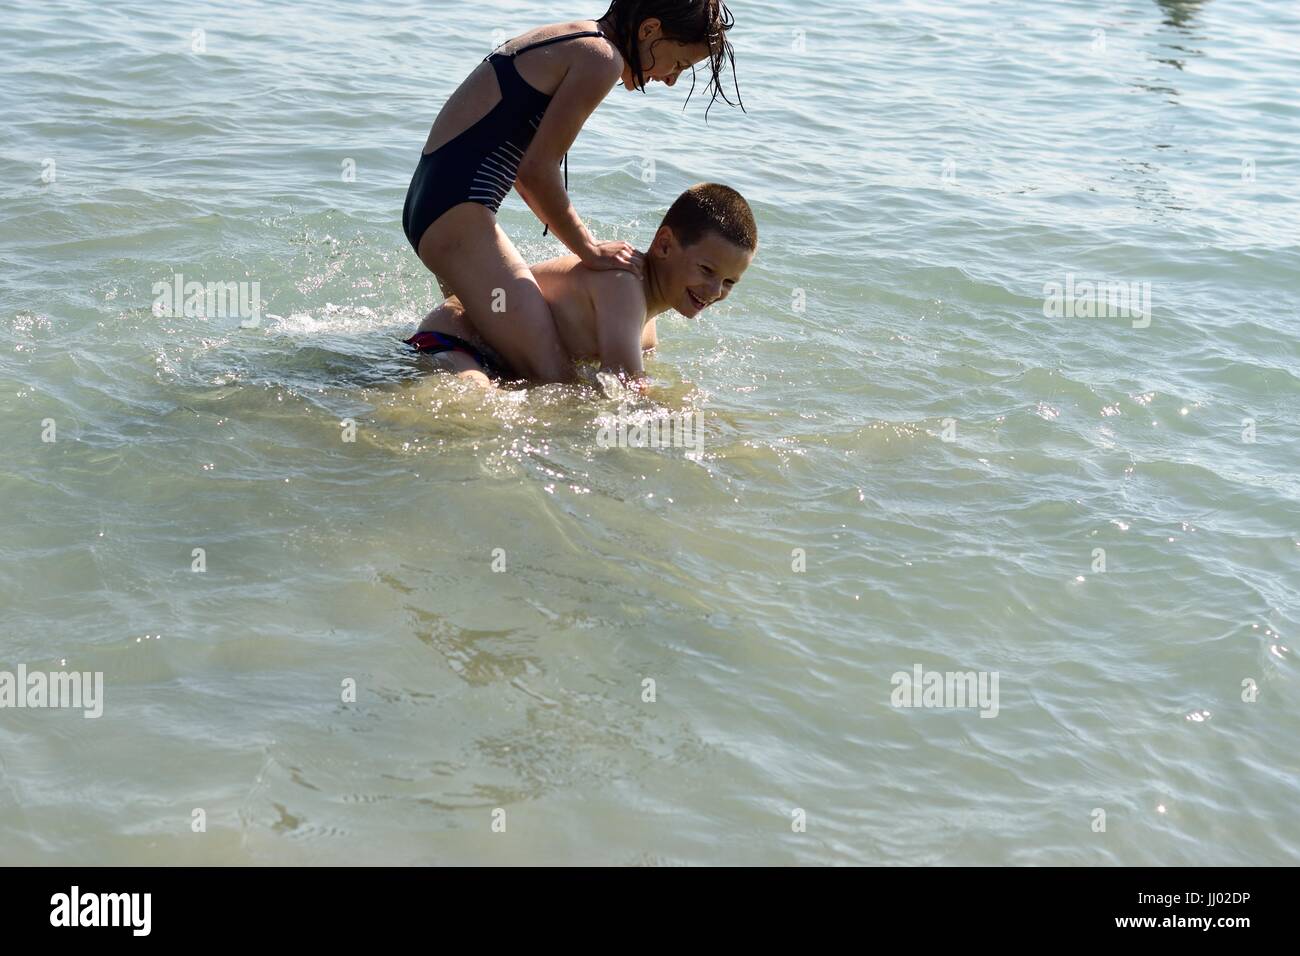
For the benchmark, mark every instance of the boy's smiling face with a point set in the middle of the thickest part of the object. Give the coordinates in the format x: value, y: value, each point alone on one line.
x: 692, y: 278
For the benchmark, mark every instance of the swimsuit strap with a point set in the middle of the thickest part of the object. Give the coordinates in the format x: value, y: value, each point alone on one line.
x: 516, y: 82
x: 547, y: 229
x: 559, y: 39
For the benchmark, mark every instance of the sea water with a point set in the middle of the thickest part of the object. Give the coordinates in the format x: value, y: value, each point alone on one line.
x: 977, y: 560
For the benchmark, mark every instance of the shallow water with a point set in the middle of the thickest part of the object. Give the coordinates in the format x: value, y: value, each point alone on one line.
x: 946, y: 455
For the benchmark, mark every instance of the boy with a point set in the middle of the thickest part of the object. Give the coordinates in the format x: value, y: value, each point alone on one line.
x: 702, y: 248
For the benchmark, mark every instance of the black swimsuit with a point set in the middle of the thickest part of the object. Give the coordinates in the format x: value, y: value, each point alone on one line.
x: 480, y: 165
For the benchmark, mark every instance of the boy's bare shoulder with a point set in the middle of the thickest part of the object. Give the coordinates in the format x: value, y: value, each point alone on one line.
x: 616, y: 290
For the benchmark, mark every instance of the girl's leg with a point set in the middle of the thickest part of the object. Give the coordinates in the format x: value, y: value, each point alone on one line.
x: 466, y: 249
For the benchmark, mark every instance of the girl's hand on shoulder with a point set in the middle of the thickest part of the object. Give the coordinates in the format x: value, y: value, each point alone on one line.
x: 614, y: 255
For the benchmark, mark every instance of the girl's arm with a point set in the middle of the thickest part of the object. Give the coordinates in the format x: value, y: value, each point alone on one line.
x: 587, y: 82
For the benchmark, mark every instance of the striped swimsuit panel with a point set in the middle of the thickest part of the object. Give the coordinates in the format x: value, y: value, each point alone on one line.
x: 497, y: 173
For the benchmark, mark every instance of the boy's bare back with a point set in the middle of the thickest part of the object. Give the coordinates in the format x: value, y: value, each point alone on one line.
x: 702, y: 248
x: 580, y: 300
x: 575, y: 295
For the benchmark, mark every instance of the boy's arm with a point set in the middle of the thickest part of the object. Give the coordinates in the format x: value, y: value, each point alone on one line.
x: 649, y: 337
x: 619, y: 301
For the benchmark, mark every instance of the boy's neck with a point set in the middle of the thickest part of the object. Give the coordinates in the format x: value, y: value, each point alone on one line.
x: 654, y: 300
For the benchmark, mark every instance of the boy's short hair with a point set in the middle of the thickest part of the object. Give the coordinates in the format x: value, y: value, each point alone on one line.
x: 712, y: 207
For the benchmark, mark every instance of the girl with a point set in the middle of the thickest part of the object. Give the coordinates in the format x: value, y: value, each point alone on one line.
x: 509, y: 124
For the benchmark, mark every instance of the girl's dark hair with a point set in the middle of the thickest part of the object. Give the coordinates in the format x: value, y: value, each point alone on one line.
x: 685, y: 21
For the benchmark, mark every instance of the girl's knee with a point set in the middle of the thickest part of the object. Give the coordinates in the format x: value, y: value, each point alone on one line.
x: 550, y: 365
x: 476, y: 377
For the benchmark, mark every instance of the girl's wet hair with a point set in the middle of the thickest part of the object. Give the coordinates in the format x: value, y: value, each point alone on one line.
x: 685, y: 21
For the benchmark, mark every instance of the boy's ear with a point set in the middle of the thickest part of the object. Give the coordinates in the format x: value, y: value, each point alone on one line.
x: 664, y: 242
